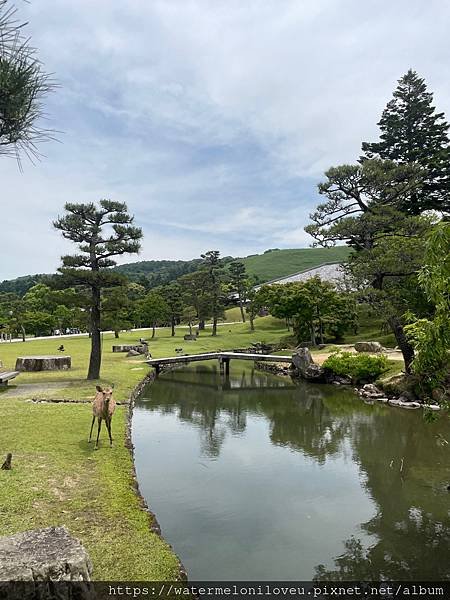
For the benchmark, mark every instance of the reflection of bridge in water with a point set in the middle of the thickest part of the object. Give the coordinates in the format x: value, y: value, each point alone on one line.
x: 226, y: 385
x: 224, y: 359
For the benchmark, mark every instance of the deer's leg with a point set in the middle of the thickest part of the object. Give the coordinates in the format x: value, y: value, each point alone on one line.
x: 108, y: 426
x: 92, y: 427
x: 98, y: 431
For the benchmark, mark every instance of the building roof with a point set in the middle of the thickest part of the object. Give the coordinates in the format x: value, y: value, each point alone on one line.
x: 327, y: 272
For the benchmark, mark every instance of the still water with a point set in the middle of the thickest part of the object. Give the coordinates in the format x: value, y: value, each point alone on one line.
x: 258, y: 478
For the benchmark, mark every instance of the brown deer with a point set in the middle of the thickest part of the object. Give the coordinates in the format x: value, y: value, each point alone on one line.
x: 103, y: 408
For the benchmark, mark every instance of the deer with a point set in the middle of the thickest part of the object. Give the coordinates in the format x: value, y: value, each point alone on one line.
x: 103, y: 408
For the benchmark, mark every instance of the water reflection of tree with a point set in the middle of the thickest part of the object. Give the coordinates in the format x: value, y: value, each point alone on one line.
x: 417, y: 548
x: 405, y: 471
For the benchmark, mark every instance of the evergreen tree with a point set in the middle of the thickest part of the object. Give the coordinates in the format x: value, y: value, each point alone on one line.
x: 172, y: 295
x: 23, y: 86
x: 213, y: 282
x: 413, y: 132
x: 101, y: 233
x: 239, y: 283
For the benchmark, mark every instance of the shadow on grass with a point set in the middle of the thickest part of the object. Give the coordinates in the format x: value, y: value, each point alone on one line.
x: 7, y: 388
x: 88, y: 448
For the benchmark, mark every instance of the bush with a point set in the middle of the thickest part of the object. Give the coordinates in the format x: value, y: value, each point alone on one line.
x: 359, y: 367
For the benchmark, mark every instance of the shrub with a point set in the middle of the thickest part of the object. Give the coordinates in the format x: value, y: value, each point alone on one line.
x: 359, y: 367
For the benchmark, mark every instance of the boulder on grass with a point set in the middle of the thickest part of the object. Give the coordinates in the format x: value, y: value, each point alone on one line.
x: 306, y: 367
x: 133, y: 352
x: 43, y: 363
x: 138, y: 348
x: 50, y: 554
x: 368, y: 347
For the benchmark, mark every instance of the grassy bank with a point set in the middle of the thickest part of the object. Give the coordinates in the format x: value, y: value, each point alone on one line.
x: 57, y: 477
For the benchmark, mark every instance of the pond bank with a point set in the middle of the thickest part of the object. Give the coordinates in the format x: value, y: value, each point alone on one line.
x: 153, y: 523
x: 384, y: 391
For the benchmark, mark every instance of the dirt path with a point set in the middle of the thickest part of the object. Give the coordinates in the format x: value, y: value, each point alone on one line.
x: 24, y: 390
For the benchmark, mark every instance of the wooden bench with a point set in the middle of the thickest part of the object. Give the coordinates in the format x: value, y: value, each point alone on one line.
x: 6, y: 376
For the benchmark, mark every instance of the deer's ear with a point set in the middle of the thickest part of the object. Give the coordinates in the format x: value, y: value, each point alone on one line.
x: 112, y: 386
x: 99, y: 388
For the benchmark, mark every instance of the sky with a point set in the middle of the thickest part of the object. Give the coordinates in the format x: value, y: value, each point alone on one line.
x: 213, y: 120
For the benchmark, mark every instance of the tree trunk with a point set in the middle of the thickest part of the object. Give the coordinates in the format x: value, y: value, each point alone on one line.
x: 116, y: 333
x: 241, y: 306
x: 321, y: 330
x: 23, y: 333
x: 96, y: 349
x: 173, y: 326
x: 201, y: 325
x: 402, y: 342
x: 214, y: 326
x: 153, y: 329
x: 252, y: 322
x: 313, y: 334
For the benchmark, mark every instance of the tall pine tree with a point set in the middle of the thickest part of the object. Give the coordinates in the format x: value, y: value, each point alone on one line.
x: 413, y: 132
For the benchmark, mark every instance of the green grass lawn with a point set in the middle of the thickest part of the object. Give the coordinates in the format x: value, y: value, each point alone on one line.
x: 57, y: 477
x: 280, y: 263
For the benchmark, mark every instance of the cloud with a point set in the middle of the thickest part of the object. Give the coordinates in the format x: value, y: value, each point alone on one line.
x: 212, y: 120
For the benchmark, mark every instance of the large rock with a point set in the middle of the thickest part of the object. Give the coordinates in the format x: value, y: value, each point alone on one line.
x: 43, y: 363
x: 306, y: 367
x: 138, y: 348
x: 368, y: 347
x: 50, y: 554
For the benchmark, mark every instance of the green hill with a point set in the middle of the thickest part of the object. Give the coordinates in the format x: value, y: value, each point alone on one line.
x: 150, y: 273
x: 280, y: 263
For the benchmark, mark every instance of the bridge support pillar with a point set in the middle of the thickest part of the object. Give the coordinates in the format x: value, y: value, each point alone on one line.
x: 224, y: 366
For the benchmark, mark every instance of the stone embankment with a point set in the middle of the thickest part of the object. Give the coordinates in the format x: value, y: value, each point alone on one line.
x: 371, y: 393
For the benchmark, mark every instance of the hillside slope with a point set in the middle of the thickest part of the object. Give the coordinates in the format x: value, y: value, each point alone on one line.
x: 270, y: 265
x: 279, y: 263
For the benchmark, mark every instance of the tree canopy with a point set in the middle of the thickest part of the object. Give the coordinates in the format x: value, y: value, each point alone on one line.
x: 412, y: 132
x: 23, y: 87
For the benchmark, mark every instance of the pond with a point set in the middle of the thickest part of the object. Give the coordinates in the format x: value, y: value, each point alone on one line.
x: 258, y: 478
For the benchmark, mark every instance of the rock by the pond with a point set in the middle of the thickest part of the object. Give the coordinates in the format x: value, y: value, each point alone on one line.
x: 368, y: 347
x: 306, y: 367
x: 139, y: 348
x: 369, y: 390
x: 432, y: 406
x: 43, y: 363
x: 133, y: 353
x: 49, y: 554
x: 338, y: 380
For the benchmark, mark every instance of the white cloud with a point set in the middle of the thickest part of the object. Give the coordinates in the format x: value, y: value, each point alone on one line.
x: 213, y: 120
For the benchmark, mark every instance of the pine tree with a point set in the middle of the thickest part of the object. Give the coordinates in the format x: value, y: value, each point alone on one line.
x: 239, y: 282
x: 23, y: 86
x: 213, y: 270
x: 101, y: 232
x: 413, y: 132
